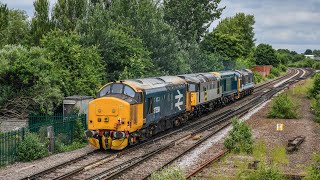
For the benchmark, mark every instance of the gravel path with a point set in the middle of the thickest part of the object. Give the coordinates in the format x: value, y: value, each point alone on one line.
x: 23, y: 169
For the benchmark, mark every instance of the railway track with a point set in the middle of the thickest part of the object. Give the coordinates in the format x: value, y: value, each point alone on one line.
x: 52, y: 173
x: 114, y: 172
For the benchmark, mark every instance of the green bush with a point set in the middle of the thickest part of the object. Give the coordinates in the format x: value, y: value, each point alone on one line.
x: 282, y: 107
x: 283, y: 68
x: 313, y: 171
x: 315, y: 106
x: 275, y: 71
x: 239, y: 138
x: 262, y: 173
x: 78, y: 133
x: 168, y: 174
x: 31, y: 148
x: 258, y: 78
x: 316, y: 65
x: 315, y: 90
x: 271, y: 76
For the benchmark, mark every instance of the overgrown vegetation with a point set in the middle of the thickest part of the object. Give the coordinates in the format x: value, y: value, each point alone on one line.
x: 262, y: 173
x: 306, y: 63
x: 73, y: 47
x: 314, y: 94
x: 269, y: 161
x: 283, y: 107
x: 62, y: 142
x: 31, y: 148
x: 313, y: 171
x: 258, y: 78
x: 239, y: 138
x: 168, y: 174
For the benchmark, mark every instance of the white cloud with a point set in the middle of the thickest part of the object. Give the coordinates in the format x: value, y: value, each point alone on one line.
x: 291, y: 24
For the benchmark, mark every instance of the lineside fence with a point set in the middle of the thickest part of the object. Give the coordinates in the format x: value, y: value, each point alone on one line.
x: 65, y: 129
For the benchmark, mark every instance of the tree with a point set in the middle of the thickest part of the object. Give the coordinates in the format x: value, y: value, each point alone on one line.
x: 239, y: 26
x: 19, y: 28
x: 266, y: 55
x: 308, y: 52
x: 191, y: 18
x: 316, y: 53
x: 203, y: 61
x: 28, y: 82
x: 4, y: 21
x: 80, y: 68
x: 14, y: 28
x: 158, y: 37
x: 40, y: 24
x: 66, y: 13
x: 228, y: 46
x: 133, y: 31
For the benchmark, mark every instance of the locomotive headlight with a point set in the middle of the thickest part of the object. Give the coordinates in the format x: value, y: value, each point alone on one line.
x: 106, y: 119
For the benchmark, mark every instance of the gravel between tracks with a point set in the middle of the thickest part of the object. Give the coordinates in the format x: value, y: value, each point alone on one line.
x: 264, y: 129
x: 23, y: 169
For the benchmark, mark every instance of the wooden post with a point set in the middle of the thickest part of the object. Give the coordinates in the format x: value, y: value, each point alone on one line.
x: 50, y: 134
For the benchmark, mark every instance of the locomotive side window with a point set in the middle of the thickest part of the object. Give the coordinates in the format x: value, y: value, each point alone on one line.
x: 192, y: 87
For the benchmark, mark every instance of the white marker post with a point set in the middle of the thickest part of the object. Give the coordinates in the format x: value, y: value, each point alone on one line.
x: 279, y: 129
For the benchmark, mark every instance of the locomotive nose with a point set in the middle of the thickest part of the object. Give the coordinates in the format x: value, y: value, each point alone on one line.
x: 108, y: 113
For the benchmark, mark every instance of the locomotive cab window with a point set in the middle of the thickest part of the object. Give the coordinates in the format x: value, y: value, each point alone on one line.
x: 104, y: 91
x: 192, y: 87
x: 120, y: 89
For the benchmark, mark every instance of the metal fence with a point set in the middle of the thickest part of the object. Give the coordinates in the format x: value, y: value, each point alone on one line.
x: 64, y: 126
x: 65, y: 129
x: 8, y: 145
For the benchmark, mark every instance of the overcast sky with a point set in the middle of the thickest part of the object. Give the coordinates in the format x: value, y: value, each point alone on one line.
x: 290, y: 24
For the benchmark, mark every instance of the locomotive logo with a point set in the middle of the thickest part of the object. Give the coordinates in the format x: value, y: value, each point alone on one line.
x: 179, y: 97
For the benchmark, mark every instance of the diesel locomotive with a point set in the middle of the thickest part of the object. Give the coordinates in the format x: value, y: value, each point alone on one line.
x: 129, y: 111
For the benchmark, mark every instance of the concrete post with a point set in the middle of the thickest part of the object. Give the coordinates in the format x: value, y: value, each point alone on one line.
x: 50, y: 135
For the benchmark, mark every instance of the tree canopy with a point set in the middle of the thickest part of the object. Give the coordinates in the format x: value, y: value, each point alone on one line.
x: 191, y: 18
x: 308, y: 52
x: 266, y: 55
x: 72, y: 47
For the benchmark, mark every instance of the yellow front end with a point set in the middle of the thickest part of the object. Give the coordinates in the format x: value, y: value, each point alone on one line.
x: 111, y: 121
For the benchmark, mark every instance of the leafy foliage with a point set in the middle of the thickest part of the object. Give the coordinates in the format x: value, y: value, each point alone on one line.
x: 79, y: 68
x: 308, y: 52
x: 314, y: 170
x: 257, y: 78
x: 40, y: 23
x: 31, y: 148
x: 168, y: 174
x: 239, y: 138
x: 263, y: 173
x: 315, y: 89
x: 66, y: 13
x: 203, y: 61
x: 224, y: 44
x: 266, y: 55
x: 29, y: 81
x: 283, y: 107
x: 191, y: 18
x: 16, y: 28
x: 239, y: 27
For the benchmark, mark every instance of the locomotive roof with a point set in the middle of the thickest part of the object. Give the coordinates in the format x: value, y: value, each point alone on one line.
x: 226, y: 73
x: 245, y: 72
x: 199, y: 77
x: 155, y: 82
